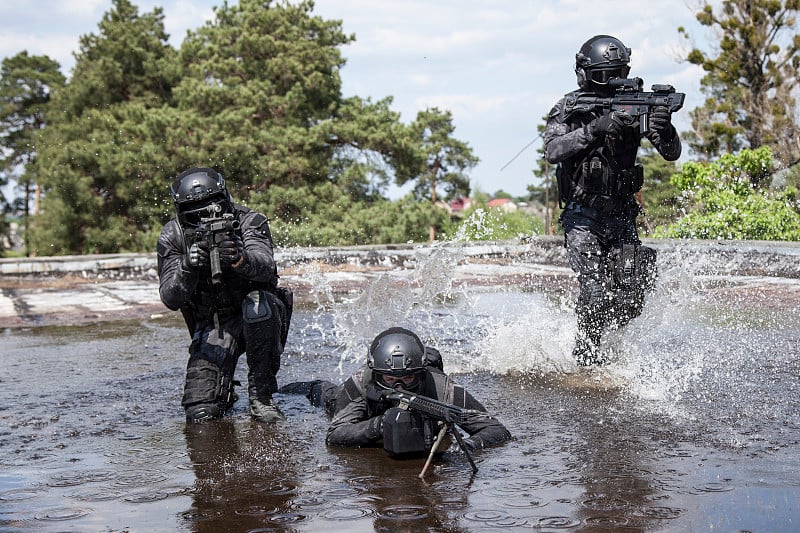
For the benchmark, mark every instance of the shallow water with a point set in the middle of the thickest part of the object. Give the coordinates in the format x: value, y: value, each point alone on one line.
x: 693, y: 427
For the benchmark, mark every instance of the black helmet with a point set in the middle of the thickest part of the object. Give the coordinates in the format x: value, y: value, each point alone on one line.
x: 600, y: 59
x: 396, y: 352
x: 199, y: 193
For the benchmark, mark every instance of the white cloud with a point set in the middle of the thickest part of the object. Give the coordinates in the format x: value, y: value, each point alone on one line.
x: 422, y: 80
x: 57, y: 46
x: 467, y: 106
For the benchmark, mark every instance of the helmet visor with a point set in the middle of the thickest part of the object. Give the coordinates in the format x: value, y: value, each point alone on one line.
x: 604, y: 75
x: 191, y: 214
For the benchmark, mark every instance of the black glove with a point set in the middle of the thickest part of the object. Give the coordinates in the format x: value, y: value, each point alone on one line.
x: 376, y: 427
x: 661, y: 123
x: 197, y: 256
x: 231, y: 250
x: 473, y: 443
x: 610, y: 124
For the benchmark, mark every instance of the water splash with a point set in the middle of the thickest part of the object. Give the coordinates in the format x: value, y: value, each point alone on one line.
x: 418, y: 298
x: 532, y: 336
x: 415, y: 298
x: 480, y: 225
x: 696, y: 327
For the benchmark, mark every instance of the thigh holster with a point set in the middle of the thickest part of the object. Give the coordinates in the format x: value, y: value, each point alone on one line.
x: 634, y: 276
x: 635, y: 267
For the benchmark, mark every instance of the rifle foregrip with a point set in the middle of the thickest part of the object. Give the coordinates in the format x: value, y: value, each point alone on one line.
x: 216, y: 265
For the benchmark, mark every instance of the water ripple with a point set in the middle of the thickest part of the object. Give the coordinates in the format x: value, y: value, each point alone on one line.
x: 127, y: 479
x: 347, y: 513
x: 358, y: 501
x: 404, y: 512
x: 722, y: 486
x: 62, y: 513
x: 607, y: 521
x: 71, y: 479
x: 99, y: 494
x: 287, y: 518
x: 308, y: 502
x: 514, y: 488
x: 486, y: 515
x: 662, y: 512
x: 17, y: 495
x: 279, y: 487
x: 557, y: 522
x: 150, y: 456
x: 523, y: 502
x: 342, y: 492
x: 605, y: 503
x: 147, y: 497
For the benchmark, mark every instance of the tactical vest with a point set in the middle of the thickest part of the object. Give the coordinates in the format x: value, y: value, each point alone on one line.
x: 606, y: 175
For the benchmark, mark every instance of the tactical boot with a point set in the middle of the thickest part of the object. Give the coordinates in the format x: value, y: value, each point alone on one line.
x: 265, y: 410
x: 202, y: 412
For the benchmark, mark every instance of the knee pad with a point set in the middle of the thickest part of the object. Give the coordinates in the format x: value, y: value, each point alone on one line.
x: 208, y: 392
x: 648, y: 271
x: 266, y: 314
x: 593, y: 297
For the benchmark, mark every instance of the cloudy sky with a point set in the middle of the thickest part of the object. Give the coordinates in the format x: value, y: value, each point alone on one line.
x: 497, y: 65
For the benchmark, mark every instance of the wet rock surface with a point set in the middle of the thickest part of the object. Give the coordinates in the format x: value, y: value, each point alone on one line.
x: 693, y: 426
x: 80, y: 289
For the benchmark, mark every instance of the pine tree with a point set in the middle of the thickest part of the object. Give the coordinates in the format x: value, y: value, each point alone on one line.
x: 102, y: 159
x: 26, y: 85
x: 751, y: 81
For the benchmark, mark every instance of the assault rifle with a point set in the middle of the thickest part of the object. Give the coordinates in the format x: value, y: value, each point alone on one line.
x: 630, y: 98
x: 214, y: 229
x: 448, y: 416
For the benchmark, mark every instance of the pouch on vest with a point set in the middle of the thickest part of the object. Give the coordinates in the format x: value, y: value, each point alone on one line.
x: 630, y: 180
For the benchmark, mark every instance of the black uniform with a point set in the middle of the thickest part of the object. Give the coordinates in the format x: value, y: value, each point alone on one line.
x: 598, y: 178
x: 246, y: 312
x: 357, y: 419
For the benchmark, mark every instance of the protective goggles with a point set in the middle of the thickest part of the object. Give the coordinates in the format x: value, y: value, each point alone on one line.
x: 406, y: 381
x: 603, y: 76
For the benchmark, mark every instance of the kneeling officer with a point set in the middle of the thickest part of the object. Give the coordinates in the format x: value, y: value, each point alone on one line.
x: 216, y: 264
